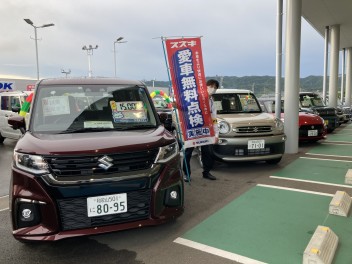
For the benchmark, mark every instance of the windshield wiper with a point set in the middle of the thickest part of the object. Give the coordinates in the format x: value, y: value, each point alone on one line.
x: 137, y: 127
x: 83, y: 130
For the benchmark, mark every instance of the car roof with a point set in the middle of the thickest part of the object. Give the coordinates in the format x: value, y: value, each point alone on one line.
x: 230, y: 90
x: 89, y: 81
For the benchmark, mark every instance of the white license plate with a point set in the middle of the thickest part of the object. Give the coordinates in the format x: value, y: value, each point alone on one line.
x: 256, y: 144
x: 312, y: 133
x: 107, y: 204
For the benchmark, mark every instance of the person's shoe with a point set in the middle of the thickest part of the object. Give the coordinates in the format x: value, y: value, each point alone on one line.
x: 185, y: 179
x: 209, y: 176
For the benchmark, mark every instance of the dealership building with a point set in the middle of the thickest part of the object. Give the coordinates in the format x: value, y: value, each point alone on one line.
x: 8, y: 84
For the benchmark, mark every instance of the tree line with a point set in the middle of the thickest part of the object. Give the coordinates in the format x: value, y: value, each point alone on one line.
x: 260, y: 85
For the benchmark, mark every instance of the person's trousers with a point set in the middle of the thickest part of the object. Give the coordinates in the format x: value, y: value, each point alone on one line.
x: 207, y: 159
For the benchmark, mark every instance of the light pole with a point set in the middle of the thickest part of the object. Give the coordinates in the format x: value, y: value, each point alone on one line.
x: 89, y: 50
x: 118, y: 40
x: 28, y: 21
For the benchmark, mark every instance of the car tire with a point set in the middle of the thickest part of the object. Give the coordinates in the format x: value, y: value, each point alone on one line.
x: 274, y: 161
x: 1, y: 138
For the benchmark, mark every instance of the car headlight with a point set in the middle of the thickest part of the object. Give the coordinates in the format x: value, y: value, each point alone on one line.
x: 166, y: 153
x: 30, y: 163
x: 279, y: 124
x: 224, y: 127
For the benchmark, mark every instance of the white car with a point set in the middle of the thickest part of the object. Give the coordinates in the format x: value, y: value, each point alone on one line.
x: 10, y: 103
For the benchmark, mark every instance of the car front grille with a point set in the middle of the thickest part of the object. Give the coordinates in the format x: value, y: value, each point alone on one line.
x: 73, y: 211
x: 303, y: 130
x: 232, y: 151
x: 326, y: 112
x: 253, y: 129
x: 89, y: 165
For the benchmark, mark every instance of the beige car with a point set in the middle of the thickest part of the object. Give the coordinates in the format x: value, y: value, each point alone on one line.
x: 246, y: 132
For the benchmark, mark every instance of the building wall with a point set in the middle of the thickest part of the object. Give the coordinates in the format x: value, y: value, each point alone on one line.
x: 7, y: 84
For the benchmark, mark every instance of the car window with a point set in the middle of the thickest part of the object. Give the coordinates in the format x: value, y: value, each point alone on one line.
x: 236, y: 103
x: 311, y: 100
x: 10, y: 102
x: 73, y: 108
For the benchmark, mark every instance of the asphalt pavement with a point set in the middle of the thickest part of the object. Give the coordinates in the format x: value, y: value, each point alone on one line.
x: 150, y: 245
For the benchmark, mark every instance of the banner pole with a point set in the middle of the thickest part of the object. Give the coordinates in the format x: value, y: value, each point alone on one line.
x: 179, y: 133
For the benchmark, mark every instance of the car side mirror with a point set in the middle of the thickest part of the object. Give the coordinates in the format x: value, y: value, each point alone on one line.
x: 163, y: 117
x: 17, y: 122
x: 16, y: 109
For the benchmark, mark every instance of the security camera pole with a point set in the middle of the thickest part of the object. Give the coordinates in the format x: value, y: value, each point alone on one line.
x: 66, y: 72
x: 89, y: 50
x: 28, y: 21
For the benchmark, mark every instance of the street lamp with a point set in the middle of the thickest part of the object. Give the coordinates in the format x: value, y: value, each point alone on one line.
x: 118, y: 40
x: 89, y: 50
x: 28, y: 21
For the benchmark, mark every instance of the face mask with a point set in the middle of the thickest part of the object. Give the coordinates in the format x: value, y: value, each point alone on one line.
x: 211, y: 90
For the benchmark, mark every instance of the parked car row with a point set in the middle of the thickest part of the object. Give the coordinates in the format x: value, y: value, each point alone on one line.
x: 311, y: 127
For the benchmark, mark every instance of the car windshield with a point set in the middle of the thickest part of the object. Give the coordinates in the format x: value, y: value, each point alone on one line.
x: 311, y: 100
x: 159, y: 103
x: 228, y: 103
x: 74, y: 108
x: 269, y: 106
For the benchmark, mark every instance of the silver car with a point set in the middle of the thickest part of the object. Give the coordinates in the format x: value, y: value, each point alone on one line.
x: 246, y: 132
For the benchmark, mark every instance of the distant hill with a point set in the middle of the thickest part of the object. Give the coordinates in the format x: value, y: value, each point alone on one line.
x: 259, y: 84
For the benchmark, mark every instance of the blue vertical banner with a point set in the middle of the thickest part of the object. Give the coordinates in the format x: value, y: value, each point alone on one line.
x: 189, y: 87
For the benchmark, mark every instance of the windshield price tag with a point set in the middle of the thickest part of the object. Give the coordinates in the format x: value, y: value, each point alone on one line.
x: 107, y: 204
x: 129, y: 111
x: 129, y: 106
x: 256, y: 144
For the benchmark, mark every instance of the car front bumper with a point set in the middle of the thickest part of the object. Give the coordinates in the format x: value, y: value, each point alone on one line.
x: 236, y: 148
x: 61, y: 211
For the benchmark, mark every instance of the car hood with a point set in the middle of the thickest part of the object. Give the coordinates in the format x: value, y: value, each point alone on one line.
x: 308, y: 118
x: 248, y: 119
x: 94, y: 142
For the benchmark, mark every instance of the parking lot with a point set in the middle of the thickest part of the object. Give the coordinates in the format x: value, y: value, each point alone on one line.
x: 253, y: 213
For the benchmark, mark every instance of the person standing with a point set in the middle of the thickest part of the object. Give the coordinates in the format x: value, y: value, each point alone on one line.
x: 206, y: 150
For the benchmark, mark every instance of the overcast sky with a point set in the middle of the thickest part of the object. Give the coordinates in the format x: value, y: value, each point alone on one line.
x: 238, y: 37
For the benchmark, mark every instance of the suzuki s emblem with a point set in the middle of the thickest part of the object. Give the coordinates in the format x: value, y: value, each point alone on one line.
x: 105, y: 162
x: 312, y: 127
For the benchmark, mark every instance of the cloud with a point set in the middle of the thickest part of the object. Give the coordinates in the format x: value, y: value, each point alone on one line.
x: 238, y: 37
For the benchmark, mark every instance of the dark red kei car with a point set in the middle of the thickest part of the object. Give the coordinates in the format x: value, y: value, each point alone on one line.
x: 94, y: 159
x: 311, y: 126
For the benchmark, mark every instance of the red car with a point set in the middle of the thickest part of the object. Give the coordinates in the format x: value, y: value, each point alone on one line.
x: 311, y: 127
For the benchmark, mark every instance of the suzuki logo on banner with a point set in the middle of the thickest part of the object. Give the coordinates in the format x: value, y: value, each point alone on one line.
x: 7, y: 86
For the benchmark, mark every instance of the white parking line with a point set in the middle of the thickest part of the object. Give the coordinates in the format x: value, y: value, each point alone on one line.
x: 326, y: 143
x: 328, y: 155
x: 324, y: 183
x: 293, y: 189
x: 4, y: 203
x: 216, y: 251
x: 325, y: 159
